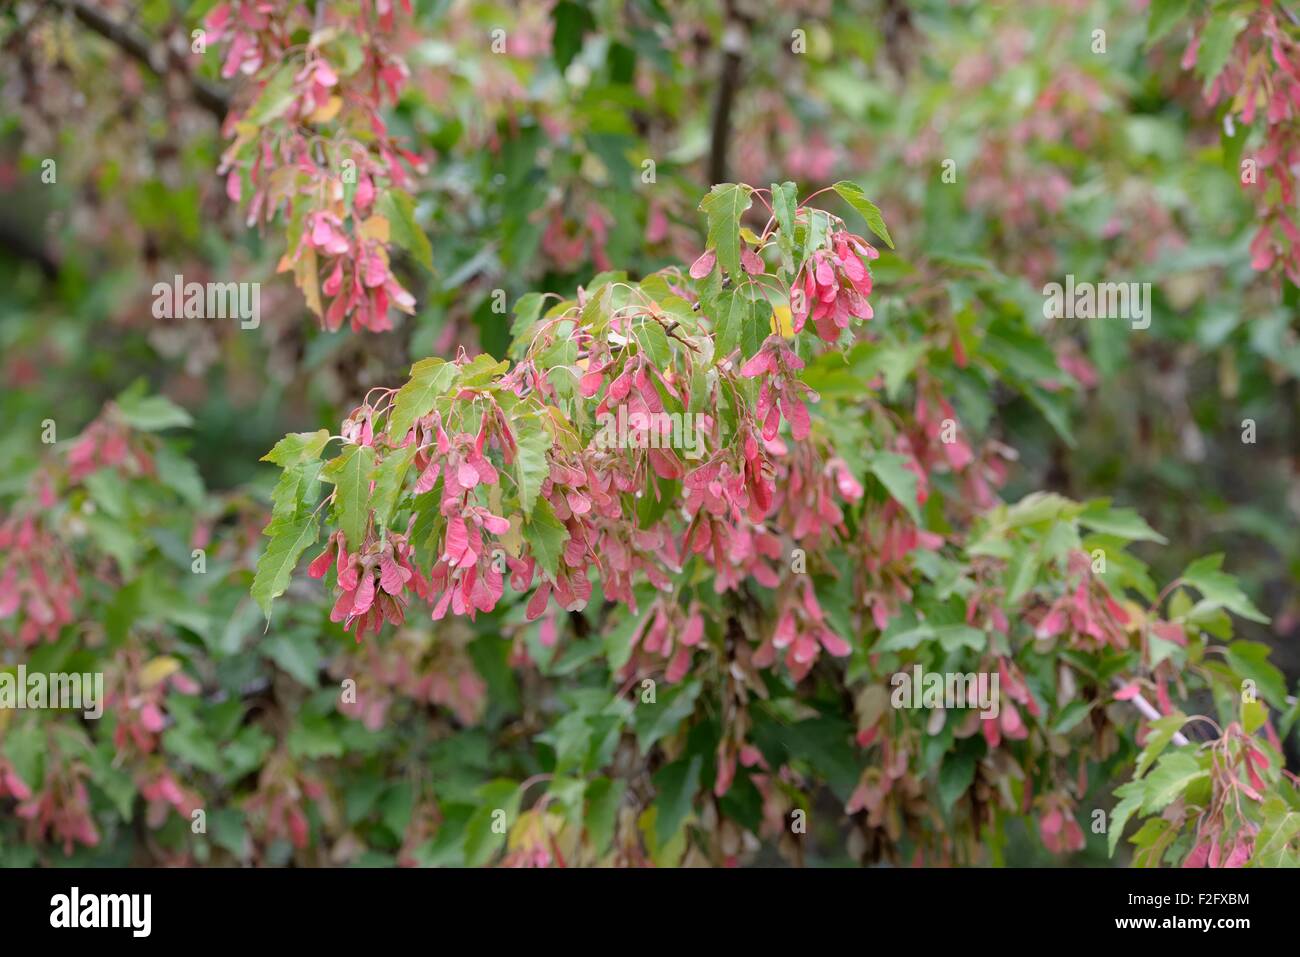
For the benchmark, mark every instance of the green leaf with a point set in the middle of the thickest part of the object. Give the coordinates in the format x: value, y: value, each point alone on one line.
x: 824, y: 742
x: 1278, y: 829
x: 1131, y: 796
x: 617, y: 638
x: 1162, y: 731
x: 399, y: 209
x: 276, y: 97
x: 533, y: 441
x: 603, y: 799
x: 1164, y: 15
x: 482, y: 840
x: 1176, y: 771
x: 672, y: 706
x: 1152, y: 841
x: 572, y: 23
x: 295, y: 490
x: 430, y: 378
x: 188, y: 742
x: 1037, y: 508
x: 314, y: 736
x: 1022, y: 573
x: 1217, y: 40
x: 722, y: 209
x: 1249, y: 659
x: 853, y: 195
x: 950, y: 637
x: 757, y: 324
x: 228, y: 832
x: 732, y: 312
x: 675, y: 787
x: 545, y: 535
x: 297, y: 447
x: 785, y: 199
x: 275, y: 566
x: 116, y: 540
x: 25, y: 745
x: 109, y: 492
x: 350, y: 53
x: 297, y: 654
x: 1288, y: 719
x: 896, y: 363
x: 350, y: 473
x: 654, y: 341
x: 180, y: 475
x: 1218, y: 589
x: 1016, y: 349
x: 151, y: 413
x: 1053, y: 407
x: 390, y: 474
x: 113, y: 780
x: 397, y: 806
x: 527, y: 310
x: 955, y: 776
x: 815, y: 234
x: 1123, y: 523
x: 891, y: 469
x: 480, y: 371
x: 1071, y: 715
x: 1253, y: 716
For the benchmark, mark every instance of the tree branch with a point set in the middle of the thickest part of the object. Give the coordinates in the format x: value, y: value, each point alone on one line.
x: 211, y: 97
x: 735, y: 35
x: 21, y: 242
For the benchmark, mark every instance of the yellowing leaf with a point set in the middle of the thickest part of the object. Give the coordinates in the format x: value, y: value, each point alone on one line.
x: 529, y: 831
x: 245, y: 133
x: 323, y: 114
x: 158, y: 670
x: 513, y: 540
x: 306, y: 278
x: 1137, y: 616
x: 1253, y: 716
x: 781, y: 321
x: 282, y: 182
x: 376, y: 227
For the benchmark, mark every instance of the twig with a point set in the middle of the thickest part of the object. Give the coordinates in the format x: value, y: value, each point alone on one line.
x: 211, y: 97
x: 1151, y: 714
x: 735, y: 35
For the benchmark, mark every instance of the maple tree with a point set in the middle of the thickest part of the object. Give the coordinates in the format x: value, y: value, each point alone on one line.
x: 488, y: 472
